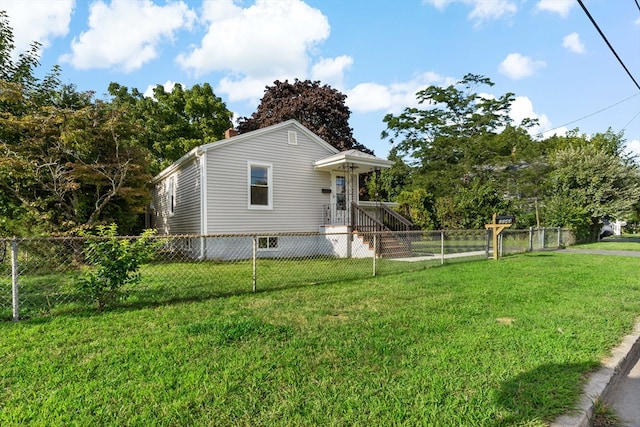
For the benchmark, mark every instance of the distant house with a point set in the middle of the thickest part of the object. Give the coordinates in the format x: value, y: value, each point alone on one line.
x: 275, y: 180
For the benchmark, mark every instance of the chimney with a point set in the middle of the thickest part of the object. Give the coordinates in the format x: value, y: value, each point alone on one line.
x: 230, y: 133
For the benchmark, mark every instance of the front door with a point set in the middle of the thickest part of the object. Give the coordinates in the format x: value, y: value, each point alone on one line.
x: 340, y: 205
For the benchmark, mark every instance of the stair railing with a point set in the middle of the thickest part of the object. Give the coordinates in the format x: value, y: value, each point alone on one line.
x: 394, y: 221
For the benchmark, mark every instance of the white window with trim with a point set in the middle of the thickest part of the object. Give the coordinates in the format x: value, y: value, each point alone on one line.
x: 267, y: 243
x: 260, y: 180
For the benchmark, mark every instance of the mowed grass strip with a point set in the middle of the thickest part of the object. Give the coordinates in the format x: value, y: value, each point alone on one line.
x: 611, y: 245
x: 482, y: 343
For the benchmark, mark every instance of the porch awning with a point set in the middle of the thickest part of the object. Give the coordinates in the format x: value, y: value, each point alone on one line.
x: 353, y: 159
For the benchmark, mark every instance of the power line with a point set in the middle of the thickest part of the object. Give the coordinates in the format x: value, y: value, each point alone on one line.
x: 638, y: 4
x: 589, y: 115
x: 607, y: 42
x: 634, y: 117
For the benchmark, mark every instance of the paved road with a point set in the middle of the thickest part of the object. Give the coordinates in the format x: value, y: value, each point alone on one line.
x: 624, y: 397
x: 603, y: 252
x: 624, y: 393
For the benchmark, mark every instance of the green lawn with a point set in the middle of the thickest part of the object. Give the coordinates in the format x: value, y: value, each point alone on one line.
x: 479, y: 344
x: 611, y: 245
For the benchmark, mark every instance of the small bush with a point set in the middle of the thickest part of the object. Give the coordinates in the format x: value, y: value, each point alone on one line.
x: 115, y: 263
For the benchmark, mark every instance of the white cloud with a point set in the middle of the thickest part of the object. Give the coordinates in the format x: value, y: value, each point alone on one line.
x: 496, y: 9
x: 242, y: 87
x: 37, y: 20
x: 266, y: 41
x: 168, y: 87
x: 331, y: 70
x: 125, y: 34
x: 516, y: 66
x: 393, y: 98
x: 367, y: 97
x: 573, y: 43
x: 439, y: 4
x: 482, y: 10
x: 522, y: 108
x: 633, y: 148
x: 561, y: 7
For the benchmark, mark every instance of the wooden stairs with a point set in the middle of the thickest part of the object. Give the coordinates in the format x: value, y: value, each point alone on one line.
x: 383, y: 231
x: 388, y: 245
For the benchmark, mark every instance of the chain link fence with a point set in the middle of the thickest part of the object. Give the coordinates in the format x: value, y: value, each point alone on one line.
x: 40, y: 276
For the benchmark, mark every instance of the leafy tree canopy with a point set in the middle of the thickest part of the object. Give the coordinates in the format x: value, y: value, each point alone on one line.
x: 67, y: 161
x: 72, y: 167
x: 172, y: 123
x: 593, y: 182
x: 319, y: 108
x: 458, y: 134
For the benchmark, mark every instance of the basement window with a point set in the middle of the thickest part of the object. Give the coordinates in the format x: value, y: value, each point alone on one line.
x: 267, y: 243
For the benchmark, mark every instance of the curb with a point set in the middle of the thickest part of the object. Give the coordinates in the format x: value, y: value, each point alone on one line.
x: 602, y: 382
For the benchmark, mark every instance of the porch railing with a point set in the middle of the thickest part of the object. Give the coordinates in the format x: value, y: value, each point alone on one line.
x: 363, y: 221
x: 346, y: 215
x: 336, y: 214
x: 394, y: 221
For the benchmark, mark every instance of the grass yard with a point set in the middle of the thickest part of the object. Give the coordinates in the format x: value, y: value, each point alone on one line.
x: 470, y: 344
x: 453, y: 243
x: 611, y: 245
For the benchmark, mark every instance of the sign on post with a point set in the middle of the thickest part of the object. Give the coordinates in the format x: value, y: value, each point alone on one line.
x: 500, y: 222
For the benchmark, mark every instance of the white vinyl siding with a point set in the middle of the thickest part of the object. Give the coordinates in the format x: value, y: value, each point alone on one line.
x: 177, y: 201
x: 296, y: 200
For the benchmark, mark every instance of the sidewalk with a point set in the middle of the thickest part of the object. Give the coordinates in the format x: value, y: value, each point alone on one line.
x: 624, y: 398
x: 617, y: 384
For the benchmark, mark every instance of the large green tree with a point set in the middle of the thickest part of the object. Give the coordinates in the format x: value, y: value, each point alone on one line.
x: 320, y: 108
x: 463, y: 149
x: 67, y: 161
x: 590, y: 182
x: 73, y: 167
x: 454, y: 135
x: 172, y: 123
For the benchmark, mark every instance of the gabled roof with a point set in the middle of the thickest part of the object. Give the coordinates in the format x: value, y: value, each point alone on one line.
x: 353, y: 159
x: 243, y: 137
x: 268, y: 129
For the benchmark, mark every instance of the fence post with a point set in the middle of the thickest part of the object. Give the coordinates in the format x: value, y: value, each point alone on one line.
x: 487, y: 242
x: 559, y: 240
x: 255, y: 262
x: 375, y: 251
x: 14, y: 279
x: 530, y: 239
x: 441, y: 247
x: 499, y: 245
x: 544, y: 238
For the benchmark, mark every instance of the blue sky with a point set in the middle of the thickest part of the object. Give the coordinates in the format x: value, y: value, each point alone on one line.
x: 377, y: 52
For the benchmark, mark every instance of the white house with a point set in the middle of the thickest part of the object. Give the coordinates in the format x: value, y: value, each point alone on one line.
x: 275, y: 180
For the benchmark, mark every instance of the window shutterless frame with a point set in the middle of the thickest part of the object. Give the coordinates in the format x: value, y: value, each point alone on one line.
x: 260, y: 185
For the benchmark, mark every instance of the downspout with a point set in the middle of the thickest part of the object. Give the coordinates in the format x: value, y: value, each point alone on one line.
x: 202, y: 158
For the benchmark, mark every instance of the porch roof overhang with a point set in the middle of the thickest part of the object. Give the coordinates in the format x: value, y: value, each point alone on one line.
x: 353, y: 159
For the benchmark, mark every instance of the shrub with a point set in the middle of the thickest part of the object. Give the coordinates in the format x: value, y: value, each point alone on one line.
x: 115, y: 263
